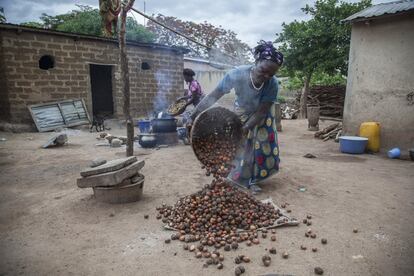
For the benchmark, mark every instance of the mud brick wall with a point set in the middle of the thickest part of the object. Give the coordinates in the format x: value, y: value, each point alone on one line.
x: 23, y: 83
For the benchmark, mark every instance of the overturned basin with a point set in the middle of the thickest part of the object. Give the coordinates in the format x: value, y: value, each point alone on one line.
x: 122, y: 193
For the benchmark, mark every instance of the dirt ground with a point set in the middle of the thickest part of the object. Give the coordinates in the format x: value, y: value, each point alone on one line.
x: 48, y: 226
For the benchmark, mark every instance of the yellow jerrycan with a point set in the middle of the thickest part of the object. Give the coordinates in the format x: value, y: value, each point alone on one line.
x: 371, y: 130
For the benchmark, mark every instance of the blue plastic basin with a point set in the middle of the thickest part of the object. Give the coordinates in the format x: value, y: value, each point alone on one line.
x: 144, y: 126
x: 353, y: 144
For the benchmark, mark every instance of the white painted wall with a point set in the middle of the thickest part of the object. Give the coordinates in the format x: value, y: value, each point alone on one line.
x: 207, y: 75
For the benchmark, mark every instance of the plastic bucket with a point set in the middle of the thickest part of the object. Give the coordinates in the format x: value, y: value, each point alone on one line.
x: 353, y: 144
x: 144, y: 126
x: 394, y: 153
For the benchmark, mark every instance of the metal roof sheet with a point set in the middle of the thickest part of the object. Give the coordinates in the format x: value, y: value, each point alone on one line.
x: 382, y: 9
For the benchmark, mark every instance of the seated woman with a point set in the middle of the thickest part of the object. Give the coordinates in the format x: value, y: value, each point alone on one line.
x: 256, y: 89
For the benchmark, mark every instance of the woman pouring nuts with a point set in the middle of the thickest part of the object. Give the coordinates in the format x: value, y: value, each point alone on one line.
x: 256, y: 89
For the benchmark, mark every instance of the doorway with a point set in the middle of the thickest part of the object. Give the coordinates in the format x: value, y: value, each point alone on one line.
x: 101, y: 87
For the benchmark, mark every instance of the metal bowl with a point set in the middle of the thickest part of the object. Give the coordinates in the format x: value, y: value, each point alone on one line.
x: 147, y: 140
x: 120, y: 194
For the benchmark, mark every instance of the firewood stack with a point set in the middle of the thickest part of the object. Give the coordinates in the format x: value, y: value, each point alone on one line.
x: 330, y: 99
x: 331, y: 132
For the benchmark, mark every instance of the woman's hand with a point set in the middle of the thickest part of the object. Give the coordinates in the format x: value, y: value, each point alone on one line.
x: 182, y: 98
x: 245, y: 131
x: 188, y: 127
x: 258, y: 115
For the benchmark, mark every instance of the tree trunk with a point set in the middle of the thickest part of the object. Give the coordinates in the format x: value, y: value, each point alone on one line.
x: 304, y: 97
x: 125, y: 79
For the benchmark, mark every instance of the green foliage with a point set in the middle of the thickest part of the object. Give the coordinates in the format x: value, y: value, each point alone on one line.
x: 296, y: 82
x: 326, y: 79
x: 138, y: 32
x: 322, y: 43
x: 87, y: 20
x: 32, y: 24
x: 281, y: 99
x: 83, y: 21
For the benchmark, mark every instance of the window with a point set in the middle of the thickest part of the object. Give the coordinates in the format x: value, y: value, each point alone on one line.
x: 46, y: 62
x: 145, y: 66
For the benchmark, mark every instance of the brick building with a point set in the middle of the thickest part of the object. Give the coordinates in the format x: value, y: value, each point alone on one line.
x: 82, y: 67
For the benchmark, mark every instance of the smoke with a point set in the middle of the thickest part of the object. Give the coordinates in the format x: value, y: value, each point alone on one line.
x: 239, y: 56
x: 164, y: 84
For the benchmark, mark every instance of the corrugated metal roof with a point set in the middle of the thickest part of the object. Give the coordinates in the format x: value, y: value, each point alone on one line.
x: 382, y: 9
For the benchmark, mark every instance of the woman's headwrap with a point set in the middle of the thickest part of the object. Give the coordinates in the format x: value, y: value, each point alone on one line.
x: 266, y: 51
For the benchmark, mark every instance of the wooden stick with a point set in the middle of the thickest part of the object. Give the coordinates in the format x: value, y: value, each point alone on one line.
x: 125, y: 79
x: 338, y: 135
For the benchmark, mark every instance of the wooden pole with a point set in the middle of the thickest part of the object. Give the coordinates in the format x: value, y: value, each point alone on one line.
x: 304, y: 98
x: 278, y: 117
x: 125, y: 78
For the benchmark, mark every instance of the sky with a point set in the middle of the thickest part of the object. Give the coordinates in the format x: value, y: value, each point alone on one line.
x: 252, y: 20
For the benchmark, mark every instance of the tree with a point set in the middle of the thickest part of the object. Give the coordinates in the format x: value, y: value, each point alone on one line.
x: 33, y: 24
x: 2, y: 16
x: 109, y: 10
x: 320, y: 44
x: 138, y: 32
x: 220, y: 40
x: 87, y: 20
x: 125, y: 77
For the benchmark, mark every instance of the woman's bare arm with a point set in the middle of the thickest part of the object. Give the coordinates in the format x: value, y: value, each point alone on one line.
x: 260, y: 113
x: 206, y: 102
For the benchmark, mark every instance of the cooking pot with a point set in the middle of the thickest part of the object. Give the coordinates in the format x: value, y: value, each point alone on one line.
x: 164, y: 125
x: 147, y: 140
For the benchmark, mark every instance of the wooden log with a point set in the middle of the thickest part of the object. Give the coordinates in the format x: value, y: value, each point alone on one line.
x: 330, y: 128
x: 329, y: 134
x: 278, y: 117
x: 338, y: 135
x: 318, y: 133
x: 330, y: 119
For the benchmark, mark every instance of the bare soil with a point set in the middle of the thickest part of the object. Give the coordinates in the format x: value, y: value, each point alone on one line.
x: 48, y: 226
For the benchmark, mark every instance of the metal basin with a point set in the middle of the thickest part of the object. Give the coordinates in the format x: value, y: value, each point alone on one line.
x: 120, y: 194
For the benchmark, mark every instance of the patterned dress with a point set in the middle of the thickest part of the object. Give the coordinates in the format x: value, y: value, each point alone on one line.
x: 195, y: 92
x: 258, y: 157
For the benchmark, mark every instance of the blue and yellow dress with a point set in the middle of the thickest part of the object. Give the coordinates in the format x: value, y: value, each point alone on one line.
x: 258, y: 157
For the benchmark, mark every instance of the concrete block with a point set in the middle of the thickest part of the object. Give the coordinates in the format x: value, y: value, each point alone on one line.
x: 97, y: 162
x: 111, y: 178
x: 110, y: 166
x: 116, y: 143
